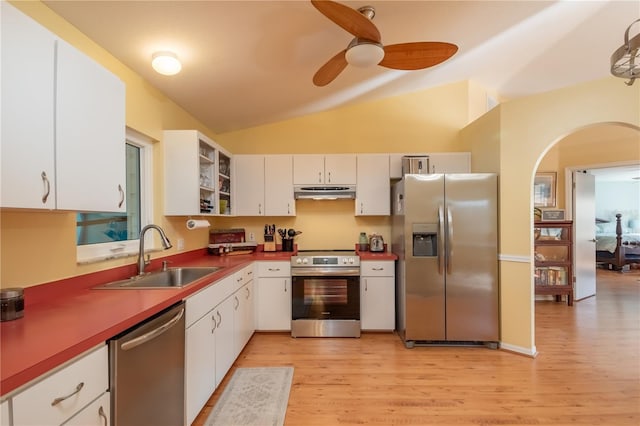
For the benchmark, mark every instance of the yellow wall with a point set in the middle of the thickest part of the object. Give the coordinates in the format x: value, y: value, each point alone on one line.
x: 528, y: 128
x: 427, y: 120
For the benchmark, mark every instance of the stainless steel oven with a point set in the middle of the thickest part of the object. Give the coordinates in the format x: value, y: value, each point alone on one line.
x: 325, y: 300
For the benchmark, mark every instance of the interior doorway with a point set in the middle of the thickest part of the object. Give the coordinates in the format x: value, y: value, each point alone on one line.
x: 594, y: 150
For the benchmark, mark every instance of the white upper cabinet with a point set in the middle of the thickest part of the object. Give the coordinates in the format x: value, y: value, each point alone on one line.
x: 197, y: 175
x: 263, y: 185
x: 63, y: 123
x: 450, y: 162
x: 373, y: 196
x: 314, y: 169
x: 90, y: 134
x: 28, y: 169
x: 278, y: 186
x: 249, y: 185
x: 439, y: 162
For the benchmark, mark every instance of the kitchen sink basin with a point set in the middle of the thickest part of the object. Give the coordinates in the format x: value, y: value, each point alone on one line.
x: 171, y: 278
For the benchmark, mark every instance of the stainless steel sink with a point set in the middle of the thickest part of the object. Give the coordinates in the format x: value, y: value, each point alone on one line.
x: 171, y: 278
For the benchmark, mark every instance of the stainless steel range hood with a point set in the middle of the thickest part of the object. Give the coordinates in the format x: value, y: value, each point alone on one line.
x: 324, y: 192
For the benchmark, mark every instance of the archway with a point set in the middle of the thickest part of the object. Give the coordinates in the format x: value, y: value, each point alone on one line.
x: 593, y: 145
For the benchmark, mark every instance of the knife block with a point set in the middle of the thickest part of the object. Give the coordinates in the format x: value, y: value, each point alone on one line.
x: 269, y: 243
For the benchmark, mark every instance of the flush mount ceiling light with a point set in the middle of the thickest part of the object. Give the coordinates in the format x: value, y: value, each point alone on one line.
x: 625, y: 61
x: 166, y: 63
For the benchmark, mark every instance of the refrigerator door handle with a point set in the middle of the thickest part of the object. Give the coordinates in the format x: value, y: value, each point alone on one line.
x: 449, y: 242
x: 440, y: 241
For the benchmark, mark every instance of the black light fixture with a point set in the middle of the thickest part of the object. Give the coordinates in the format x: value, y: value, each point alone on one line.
x: 625, y: 61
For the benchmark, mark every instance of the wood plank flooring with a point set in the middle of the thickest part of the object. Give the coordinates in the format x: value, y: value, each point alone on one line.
x: 587, y: 372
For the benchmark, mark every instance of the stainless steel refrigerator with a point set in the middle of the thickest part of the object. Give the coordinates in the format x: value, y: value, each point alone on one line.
x: 444, y: 231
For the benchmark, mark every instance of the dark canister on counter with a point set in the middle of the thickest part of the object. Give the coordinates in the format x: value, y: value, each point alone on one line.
x: 12, y: 302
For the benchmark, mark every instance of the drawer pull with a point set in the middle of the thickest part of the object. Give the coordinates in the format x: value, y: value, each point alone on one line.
x: 274, y: 269
x: 62, y: 398
x: 102, y: 415
x: 378, y: 269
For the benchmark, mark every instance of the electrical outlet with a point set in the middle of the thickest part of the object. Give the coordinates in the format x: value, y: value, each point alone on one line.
x: 180, y: 243
x: 252, y: 236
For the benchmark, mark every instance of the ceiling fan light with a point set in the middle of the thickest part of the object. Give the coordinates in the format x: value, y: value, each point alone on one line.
x: 166, y: 63
x: 365, y: 54
x: 625, y: 61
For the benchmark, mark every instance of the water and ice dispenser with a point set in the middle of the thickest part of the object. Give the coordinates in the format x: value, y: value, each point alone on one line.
x: 425, y: 239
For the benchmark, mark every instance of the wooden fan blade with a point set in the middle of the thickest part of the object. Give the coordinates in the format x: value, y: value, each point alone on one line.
x: 349, y: 19
x: 415, y: 56
x: 329, y: 71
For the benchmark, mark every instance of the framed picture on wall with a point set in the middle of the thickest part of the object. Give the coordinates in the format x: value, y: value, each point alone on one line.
x: 544, y: 190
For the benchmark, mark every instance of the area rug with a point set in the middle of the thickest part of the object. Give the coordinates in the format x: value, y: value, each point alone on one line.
x: 254, y: 397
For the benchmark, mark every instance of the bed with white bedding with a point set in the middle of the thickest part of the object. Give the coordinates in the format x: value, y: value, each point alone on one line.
x: 619, y: 248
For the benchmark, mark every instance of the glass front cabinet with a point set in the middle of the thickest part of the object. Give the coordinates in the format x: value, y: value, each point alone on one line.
x: 553, y: 259
x: 197, y: 175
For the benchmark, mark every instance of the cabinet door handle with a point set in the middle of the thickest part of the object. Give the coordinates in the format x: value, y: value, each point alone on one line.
x: 319, y: 177
x: 62, y: 398
x: 329, y: 181
x: 248, y: 293
x: 288, y: 208
x: 219, y: 319
x: 259, y: 208
x: 121, y: 195
x: 213, y: 320
x: 285, y: 286
x: 235, y: 308
x: 47, y: 186
x: 361, y: 208
x: 102, y: 415
x: 366, y: 287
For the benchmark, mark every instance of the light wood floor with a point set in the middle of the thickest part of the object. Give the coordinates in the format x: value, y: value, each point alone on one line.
x: 587, y: 372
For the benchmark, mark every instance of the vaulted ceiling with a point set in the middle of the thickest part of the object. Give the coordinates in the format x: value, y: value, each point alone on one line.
x: 247, y: 63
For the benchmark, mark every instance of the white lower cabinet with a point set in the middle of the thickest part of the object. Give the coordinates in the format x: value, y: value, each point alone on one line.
x: 200, y: 367
x: 219, y: 321
x: 377, y: 295
x: 61, y: 395
x: 4, y: 413
x: 96, y: 414
x: 273, y: 296
x: 225, y: 353
x: 243, y: 317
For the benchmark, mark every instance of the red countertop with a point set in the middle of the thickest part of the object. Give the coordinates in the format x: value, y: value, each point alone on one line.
x: 65, y: 318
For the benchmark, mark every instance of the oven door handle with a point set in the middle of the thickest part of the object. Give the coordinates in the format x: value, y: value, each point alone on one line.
x: 325, y: 272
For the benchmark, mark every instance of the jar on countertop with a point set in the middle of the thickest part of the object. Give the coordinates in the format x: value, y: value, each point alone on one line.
x: 12, y: 303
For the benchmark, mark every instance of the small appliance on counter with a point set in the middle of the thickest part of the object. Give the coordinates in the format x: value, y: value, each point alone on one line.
x: 376, y: 243
x: 12, y: 301
x: 415, y: 164
x: 229, y: 242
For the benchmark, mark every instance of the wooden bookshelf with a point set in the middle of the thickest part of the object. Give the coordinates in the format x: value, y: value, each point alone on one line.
x: 553, y: 274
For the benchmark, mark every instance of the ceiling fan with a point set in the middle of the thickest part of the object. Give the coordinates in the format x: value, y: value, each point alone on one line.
x: 366, y: 49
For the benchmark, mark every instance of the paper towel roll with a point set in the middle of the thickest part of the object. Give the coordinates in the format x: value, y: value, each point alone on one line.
x: 197, y: 224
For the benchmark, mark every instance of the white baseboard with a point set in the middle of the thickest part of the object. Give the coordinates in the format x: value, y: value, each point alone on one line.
x: 531, y: 352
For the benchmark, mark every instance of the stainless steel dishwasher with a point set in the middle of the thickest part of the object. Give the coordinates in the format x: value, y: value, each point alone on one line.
x: 146, y: 372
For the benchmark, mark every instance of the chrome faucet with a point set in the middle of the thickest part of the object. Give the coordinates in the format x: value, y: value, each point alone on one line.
x: 165, y: 243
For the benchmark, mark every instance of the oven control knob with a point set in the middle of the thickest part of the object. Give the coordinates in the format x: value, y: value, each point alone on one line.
x: 351, y: 260
x: 305, y: 260
x: 298, y: 261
